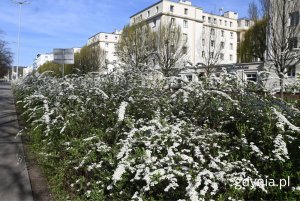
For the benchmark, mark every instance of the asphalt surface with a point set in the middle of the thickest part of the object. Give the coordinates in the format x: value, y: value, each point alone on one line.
x: 14, y: 180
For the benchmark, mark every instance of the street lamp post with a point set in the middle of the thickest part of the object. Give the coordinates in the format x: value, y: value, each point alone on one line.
x: 21, y: 3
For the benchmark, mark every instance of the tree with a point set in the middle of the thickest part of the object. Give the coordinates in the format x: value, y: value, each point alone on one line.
x: 253, y: 11
x: 136, y: 47
x: 283, y: 32
x: 264, y: 8
x: 171, y: 47
x: 213, y: 45
x: 5, y: 59
x: 254, y: 44
x: 91, y: 58
x: 55, y: 68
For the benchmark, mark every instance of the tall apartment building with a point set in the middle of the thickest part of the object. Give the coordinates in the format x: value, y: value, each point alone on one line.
x: 205, y: 34
x: 107, y: 41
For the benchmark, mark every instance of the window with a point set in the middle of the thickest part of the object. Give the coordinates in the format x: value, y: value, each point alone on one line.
x: 203, y: 18
x: 184, y: 49
x: 172, y: 21
x: 116, y: 37
x: 291, y: 71
x: 222, y: 45
x: 222, y: 56
x: 156, y: 9
x: 212, y: 43
x: 231, y: 35
x: 203, y: 54
x: 294, y: 18
x: 247, y: 23
x: 222, y: 33
x: 238, y: 37
x: 231, y: 46
x: 203, y: 42
x: 154, y: 23
x: 225, y: 23
x: 220, y: 22
x: 212, y: 31
x: 231, y: 57
x: 186, y: 11
x: 209, y: 19
x: 148, y: 13
x: 185, y: 24
x: 172, y: 48
x: 189, y: 78
x: 185, y: 37
x: 106, y: 36
x: 215, y: 21
x: 230, y: 24
x: 293, y: 43
x: 106, y: 44
x: 251, y: 76
x: 172, y: 8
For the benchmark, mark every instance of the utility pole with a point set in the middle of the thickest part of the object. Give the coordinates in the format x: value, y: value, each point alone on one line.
x: 21, y: 3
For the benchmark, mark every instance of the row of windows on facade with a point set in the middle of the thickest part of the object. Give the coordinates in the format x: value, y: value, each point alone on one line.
x: 215, y: 55
x: 221, y: 45
x: 214, y: 21
x: 213, y: 32
x: 106, y: 37
x: 185, y: 23
x: 186, y: 11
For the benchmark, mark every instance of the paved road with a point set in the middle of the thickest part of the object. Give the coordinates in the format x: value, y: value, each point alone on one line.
x: 14, y: 180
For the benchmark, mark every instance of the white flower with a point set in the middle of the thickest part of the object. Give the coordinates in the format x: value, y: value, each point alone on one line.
x: 118, y: 173
x: 121, y: 111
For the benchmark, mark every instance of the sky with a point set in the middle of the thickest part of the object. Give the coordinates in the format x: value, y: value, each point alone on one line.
x: 49, y: 24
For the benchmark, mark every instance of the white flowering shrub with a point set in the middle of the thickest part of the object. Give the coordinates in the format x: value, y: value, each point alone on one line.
x: 105, y: 138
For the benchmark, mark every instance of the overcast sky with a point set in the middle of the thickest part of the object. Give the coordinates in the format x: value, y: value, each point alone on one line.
x: 48, y: 24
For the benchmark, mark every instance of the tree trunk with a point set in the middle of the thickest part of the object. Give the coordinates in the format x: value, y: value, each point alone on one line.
x: 281, y: 77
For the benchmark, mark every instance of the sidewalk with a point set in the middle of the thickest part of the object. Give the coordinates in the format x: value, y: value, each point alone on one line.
x: 14, y: 180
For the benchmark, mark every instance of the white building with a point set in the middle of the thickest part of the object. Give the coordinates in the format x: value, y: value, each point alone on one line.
x: 107, y: 42
x: 205, y: 33
x: 42, y: 59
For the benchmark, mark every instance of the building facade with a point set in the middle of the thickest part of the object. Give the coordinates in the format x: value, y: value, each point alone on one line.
x: 205, y: 34
x: 107, y: 41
